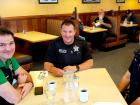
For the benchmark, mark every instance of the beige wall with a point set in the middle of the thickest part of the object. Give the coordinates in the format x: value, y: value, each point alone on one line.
x: 10, y: 8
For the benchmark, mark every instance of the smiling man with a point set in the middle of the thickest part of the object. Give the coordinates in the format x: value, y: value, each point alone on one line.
x: 68, y: 52
x: 15, y: 82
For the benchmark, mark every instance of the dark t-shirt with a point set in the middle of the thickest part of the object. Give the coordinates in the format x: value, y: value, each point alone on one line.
x: 105, y: 20
x: 134, y: 69
x: 62, y: 55
x: 129, y: 19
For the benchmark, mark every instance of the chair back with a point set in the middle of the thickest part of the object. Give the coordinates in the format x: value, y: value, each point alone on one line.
x: 92, y: 18
x: 54, y: 26
x: 137, y: 19
x: 114, y: 28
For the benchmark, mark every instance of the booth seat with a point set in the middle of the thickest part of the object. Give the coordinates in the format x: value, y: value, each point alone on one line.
x: 24, y: 60
x: 116, y: 40
x: 120, y: 39
x: 136, y: 37
x: 54, y: 26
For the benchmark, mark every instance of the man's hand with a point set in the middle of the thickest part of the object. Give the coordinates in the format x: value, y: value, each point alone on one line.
x: 57, y: 72
x: 72, y: 68
x: 93, y: 24
x: 22, y: 78
x: 25, y: 88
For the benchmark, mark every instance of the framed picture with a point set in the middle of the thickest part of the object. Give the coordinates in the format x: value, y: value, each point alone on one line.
x: 90, y: 1
x: 48, y: 1
x: 120, y: 1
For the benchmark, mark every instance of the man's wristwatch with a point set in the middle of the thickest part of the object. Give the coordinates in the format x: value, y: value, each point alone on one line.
x: 77, y: 67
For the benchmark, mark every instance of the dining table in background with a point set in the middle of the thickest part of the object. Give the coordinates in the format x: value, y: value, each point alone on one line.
x: 25, y: 40
x: 34, y: 36
x: 128, y: 25
x: 89, y: 29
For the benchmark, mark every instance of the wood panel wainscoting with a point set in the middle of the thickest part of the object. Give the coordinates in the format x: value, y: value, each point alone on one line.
x: 41, y: 23
x: 36, y: 22
x: 26, y: 23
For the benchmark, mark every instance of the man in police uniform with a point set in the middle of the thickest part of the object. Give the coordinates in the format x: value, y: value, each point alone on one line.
x: 132, y: 79
x: 15, y: 82
x: 68, y: 52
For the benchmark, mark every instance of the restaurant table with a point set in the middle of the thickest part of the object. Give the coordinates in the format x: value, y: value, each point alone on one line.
x: 34, y: 37
x: 31, y: 39
x: 97, y: 81
x: 88, y: 29
x: 128, y: 25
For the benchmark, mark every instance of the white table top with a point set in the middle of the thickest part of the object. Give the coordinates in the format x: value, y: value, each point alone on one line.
x: 34, y: 37
x: 97, y: 81
x: 93, y: 30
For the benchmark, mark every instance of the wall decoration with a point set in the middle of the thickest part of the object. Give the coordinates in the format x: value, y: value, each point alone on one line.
x: 90, y: 1
x: 120, y: 1
x: 48, y: 1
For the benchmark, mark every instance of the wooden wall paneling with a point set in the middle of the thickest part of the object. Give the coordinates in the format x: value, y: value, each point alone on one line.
x: 13, y: 25
x: 5, y: 24
x: 39, y: 23
x: 24, y: 25
x: 43, y: 25
x: 34, y: 24
x: 88, y: 19
x: 30, y: 25
x: 19, y: 25
x: 84, y: 20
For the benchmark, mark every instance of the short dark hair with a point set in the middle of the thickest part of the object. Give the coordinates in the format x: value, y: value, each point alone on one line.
x: 68, y: 21
x: 5, y: 31
x: 128, y: 11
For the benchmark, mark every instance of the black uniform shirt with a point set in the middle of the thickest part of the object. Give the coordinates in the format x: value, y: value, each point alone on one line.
x: 134, y: 70
x: 62, y: 55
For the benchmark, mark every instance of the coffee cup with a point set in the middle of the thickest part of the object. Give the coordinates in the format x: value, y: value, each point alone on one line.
x: 83, y: 95
x: 51, y: 85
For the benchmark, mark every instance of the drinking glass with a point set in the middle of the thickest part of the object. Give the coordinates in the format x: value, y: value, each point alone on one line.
x: 51, y: 92
x: 131, y: 23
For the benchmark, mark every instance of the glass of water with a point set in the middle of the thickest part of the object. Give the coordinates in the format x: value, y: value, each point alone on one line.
x: 51, y: 92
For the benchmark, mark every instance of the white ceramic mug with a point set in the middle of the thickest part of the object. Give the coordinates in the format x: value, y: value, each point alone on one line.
x: 52, y: 85
x: 83, y: 95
